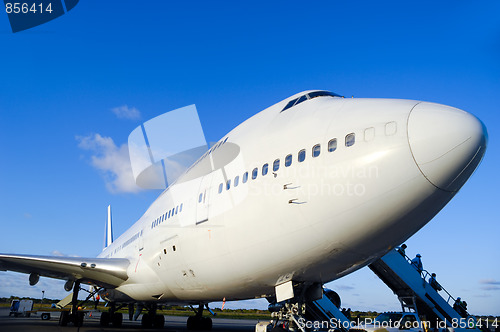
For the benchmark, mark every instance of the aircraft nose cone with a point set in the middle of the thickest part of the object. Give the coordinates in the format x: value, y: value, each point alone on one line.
x: 447, y: 144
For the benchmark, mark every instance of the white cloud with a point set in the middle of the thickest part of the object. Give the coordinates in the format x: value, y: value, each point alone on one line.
x: 344, y: 287
x: 17, y: 284
x: 489, y: 282
x: 57, y: 253
x: 125, y: 112
x: 112, y: 161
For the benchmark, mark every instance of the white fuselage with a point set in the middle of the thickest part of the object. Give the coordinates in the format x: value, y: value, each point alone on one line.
x: 315, y: 220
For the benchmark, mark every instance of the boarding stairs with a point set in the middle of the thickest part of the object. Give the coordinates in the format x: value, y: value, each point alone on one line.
x: 326, y: 312
x: 416, y: 294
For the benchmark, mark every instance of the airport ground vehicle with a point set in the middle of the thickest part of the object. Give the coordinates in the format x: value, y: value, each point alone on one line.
x: 21, y: 307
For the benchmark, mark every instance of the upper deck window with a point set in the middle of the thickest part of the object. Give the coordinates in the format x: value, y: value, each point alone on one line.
x: 276, y: 165
x: 288, y: 160
x: 308, y: 96
x: 302, y: 155
x: 265, y: 169
x: 245, y: 177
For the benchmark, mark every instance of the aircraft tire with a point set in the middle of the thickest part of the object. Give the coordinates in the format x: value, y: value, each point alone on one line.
x: 146, y: 321
x: 105, y: 319
x: 78, y: 318
x: 190, y: 325
x: 198, y: 324
x: 117, y: 319
x: 159, y: 322
x: 64, y: 318
x: 206, y: 323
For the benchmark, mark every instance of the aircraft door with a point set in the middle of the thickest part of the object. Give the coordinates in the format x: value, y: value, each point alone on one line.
x: 203, y: 199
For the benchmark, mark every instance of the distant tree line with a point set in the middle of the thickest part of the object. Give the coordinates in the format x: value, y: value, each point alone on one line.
x: 38, y: 301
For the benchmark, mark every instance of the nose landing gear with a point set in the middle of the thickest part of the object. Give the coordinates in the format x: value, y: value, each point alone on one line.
x: 198, y: 322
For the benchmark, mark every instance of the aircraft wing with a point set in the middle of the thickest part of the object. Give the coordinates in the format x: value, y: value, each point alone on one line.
x: 104, y: 272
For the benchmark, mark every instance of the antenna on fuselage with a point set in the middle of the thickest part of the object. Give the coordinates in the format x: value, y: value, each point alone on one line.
x: 108, y: 230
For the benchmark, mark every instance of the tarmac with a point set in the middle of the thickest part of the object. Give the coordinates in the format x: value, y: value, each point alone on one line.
x: 91, y: 324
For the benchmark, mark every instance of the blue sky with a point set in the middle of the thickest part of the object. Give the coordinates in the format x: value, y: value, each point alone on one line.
x: 67, y: 80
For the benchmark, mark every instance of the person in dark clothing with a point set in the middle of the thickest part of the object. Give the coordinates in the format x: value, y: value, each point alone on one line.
x: 402, y: 249
x: 460, y: 307
x: 434, y: 284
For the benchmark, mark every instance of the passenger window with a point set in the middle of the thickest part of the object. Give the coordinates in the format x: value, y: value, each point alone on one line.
x: 180, y: 209
x: 168, y: 214
x: 350, y: 139
x: 236, y: 181
x: 276, y: 165
x: 265, y: 169
x: 220, y: 187
x: 228, y: 184
x: 245, y: 177
x: 316, y: 150
x: 172, y: 212
x: 288, y: 160
x: 391, y: 128
x: 302, y: 155
x: 199, y: 198
x: 176, y: 209
x: 254, y: 173
x: 369, y: 134
x: 332, y: 145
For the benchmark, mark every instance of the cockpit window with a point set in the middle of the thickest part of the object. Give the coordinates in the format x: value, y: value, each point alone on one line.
x: 307, y: 96
x: 290, y: 104
x: 301, y: 99
x: 315, y: 94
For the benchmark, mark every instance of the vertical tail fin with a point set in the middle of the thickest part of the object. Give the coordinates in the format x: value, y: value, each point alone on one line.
x: 108, y: 230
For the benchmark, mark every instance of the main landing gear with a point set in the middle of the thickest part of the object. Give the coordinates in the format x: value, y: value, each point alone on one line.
x: 152, y: 319
x: 198, y: 322
x: 112, y: 316
x: 75, y: 316
x: 149, y: 319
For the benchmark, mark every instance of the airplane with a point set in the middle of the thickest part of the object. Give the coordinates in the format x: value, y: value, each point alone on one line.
x: 304, y: 192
